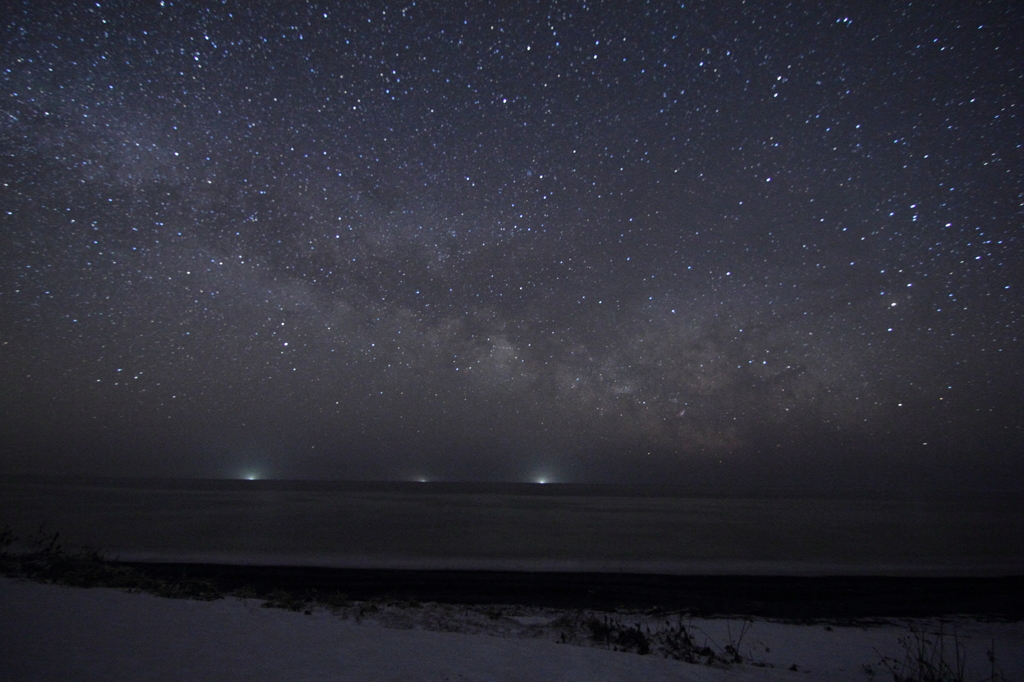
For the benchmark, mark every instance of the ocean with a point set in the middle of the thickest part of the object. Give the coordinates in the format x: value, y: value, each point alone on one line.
x: 530, y: 527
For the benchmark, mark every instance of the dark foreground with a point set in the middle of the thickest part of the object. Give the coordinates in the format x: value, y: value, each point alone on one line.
x: 789, y: 598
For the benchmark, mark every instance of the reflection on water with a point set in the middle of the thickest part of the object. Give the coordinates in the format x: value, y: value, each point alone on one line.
x: 524, y: 526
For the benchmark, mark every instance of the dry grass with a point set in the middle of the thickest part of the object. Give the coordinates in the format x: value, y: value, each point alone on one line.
x: 935, y: 656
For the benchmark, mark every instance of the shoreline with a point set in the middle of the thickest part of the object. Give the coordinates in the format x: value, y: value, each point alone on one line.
x: 782, y: 568
x: 798, y: 598
x: 787, y: 598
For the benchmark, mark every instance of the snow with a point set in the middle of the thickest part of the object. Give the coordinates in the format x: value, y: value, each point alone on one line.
x: 50, y: 632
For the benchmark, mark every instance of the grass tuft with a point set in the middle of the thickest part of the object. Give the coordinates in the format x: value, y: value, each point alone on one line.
x: 670, y: 640
x: 935, y: 656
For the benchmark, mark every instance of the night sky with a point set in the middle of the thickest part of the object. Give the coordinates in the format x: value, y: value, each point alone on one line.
x: 761, y: 245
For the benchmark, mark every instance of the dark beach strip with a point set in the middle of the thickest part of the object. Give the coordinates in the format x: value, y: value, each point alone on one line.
x: 777, y: 597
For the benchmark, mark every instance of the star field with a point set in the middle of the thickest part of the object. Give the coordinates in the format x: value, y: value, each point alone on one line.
x: 776, y: 244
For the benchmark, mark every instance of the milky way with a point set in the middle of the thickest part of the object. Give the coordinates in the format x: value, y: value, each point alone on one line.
x: 773, y: 244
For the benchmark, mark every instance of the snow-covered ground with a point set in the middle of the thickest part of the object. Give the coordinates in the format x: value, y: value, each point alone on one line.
x: 49, y: 632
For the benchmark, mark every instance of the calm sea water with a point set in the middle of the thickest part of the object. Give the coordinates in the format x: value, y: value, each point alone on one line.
x: 519, y: 526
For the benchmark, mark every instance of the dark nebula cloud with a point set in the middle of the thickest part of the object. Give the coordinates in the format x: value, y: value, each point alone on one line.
x: 771, y: 245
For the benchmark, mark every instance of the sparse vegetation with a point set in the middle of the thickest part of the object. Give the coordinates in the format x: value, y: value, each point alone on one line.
x: 618, y: 636
x: 282, y: 599
x: 669, y: 640
x: 337, y: 600
x: 47, y: 561
x: 935, y: 656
